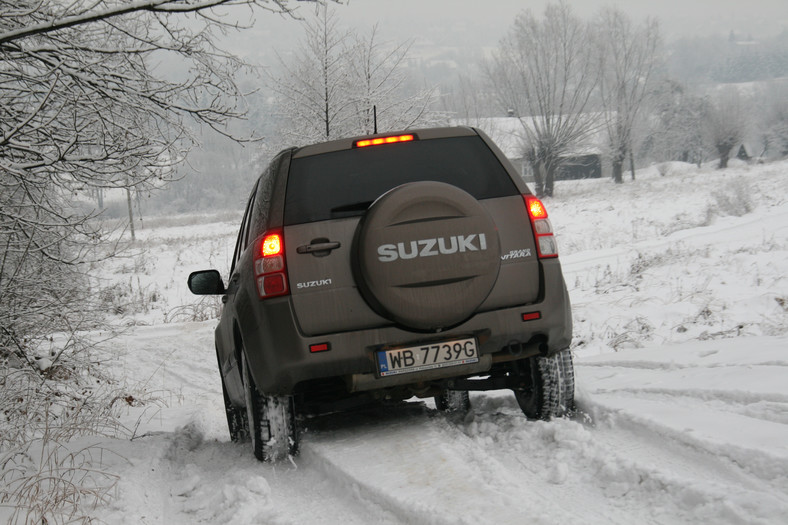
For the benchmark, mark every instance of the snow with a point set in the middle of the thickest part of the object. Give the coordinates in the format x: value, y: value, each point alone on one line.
x: 680, y: 300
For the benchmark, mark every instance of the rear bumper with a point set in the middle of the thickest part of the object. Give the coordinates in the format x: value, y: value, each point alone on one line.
x: 280, y: 357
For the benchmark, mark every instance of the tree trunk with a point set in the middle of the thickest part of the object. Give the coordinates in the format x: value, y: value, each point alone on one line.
x: 549, y: 179
x: 138, y: 196
x: 538, y: 179
x: 725, y: 153
x: 618, y: 171
x: 632, y: 164
x: 131, y: 214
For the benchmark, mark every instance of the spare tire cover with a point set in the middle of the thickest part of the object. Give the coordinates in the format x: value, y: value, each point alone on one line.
x: 426, y: 255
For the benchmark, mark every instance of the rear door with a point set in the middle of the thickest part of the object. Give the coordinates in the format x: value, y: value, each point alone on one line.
x: 329, y: 193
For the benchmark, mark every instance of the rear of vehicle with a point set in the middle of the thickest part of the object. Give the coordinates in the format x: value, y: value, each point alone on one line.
x: 400, y: 265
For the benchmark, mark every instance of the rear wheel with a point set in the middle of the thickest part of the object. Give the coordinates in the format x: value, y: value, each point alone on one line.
x: 237, y: 419
x: 550, y: 386
x: 272, y: 424
x: 457, y: 401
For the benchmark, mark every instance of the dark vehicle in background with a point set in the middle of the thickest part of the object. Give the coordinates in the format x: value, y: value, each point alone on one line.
x: 386, y: 267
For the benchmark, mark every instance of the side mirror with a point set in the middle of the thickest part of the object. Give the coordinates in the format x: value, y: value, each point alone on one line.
x: 206, y: 282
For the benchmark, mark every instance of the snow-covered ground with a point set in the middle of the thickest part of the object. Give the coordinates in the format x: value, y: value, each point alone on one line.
x: 679, y: 286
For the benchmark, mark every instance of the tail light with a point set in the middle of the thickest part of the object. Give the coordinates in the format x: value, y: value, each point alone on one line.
x: 546, y: 245
x: 270, y: 271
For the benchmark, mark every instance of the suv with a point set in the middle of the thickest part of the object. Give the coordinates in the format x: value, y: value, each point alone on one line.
x: 385, y: 267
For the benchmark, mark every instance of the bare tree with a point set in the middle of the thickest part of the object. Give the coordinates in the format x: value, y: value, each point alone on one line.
x: 377, y: 81
x: 544, y: 71
x: 628, y: 57
x: 312, y: 85
x: 468, y: 100
x: 773, y: 120
x: 726, y: 122
x: 336, y: 80
x: 94, y: 96
x: 676, y: 131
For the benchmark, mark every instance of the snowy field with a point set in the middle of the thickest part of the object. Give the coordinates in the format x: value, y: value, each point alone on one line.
x: 679, y: 284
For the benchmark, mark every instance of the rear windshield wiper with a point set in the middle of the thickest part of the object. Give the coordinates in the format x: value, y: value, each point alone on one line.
x: 350, y: 209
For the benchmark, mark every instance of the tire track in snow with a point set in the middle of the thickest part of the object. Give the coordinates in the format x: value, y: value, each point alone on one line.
x: 186, y: 479
x: 668, y: 366
x: 701, y: 407
x: 499, y: 468
x: 768, y: 407
x: 426, y: 470
x: 701, y: 481
x: 739, y: 397
x: 185, y: 471
x: 637, y: 469
x: 410, y: 467
x: 731, y: 376
x: 756, y: 446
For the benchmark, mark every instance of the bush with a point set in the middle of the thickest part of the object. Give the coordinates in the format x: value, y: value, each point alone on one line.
x: 734, y: 200
x: 43, y: 407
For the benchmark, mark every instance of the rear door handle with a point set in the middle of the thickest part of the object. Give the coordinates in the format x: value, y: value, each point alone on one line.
x: 326, y: 247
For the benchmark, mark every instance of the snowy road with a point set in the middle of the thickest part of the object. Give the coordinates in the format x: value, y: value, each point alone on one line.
x: 685, y: 434
x: 681, y: 353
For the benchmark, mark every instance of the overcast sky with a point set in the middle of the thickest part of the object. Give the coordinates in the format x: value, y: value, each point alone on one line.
x: 678, y: 17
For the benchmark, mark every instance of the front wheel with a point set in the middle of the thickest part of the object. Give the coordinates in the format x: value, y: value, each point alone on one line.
x: 548, y: 389
x: 272, y: 424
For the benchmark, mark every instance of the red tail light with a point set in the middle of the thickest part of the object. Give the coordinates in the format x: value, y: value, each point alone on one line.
x: 383, y: 140
x: 546, y: 245
x: 270, y: 270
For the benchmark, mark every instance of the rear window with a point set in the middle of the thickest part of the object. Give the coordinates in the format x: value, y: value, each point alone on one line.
x: 345, y: 183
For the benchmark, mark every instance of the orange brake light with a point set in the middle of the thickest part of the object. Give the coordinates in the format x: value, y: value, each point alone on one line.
x: 272, y: 245
x: 536, y: 208
x: 383, y: 140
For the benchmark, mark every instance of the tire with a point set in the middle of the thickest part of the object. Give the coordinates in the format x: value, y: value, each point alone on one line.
x: 551, y: 387
x: 453, y: 401
x: 237, y: 419
x: 272, y: 425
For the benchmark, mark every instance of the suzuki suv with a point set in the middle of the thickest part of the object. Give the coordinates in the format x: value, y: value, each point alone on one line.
x: 380, y: 268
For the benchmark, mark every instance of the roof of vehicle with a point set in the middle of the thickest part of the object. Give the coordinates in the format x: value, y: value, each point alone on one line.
x: 348, y: 143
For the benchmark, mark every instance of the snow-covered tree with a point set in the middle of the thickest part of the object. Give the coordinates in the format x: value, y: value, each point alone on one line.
x: 312, y: 83
x: 628, y: 56
x: 773, y: 120
x: 544, y: 71
x: 726, y: 122
x: 94, y: 95
x: 676, y: 126
x: 377, y: 81
x: 331, y: 85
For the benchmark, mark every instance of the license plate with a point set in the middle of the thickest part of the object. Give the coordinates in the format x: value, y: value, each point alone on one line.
x: 427, y: 357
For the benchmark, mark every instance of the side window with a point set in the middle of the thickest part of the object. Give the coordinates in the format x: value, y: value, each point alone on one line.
x: 256, y: 216
x: 240, y: 244
x: 262, y: 210
x: 247, y: 226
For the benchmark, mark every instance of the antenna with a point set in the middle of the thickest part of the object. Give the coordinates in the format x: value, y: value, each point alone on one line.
x: 375, y: 118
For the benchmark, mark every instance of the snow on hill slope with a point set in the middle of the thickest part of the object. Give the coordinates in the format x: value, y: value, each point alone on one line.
x: 679, y: 286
